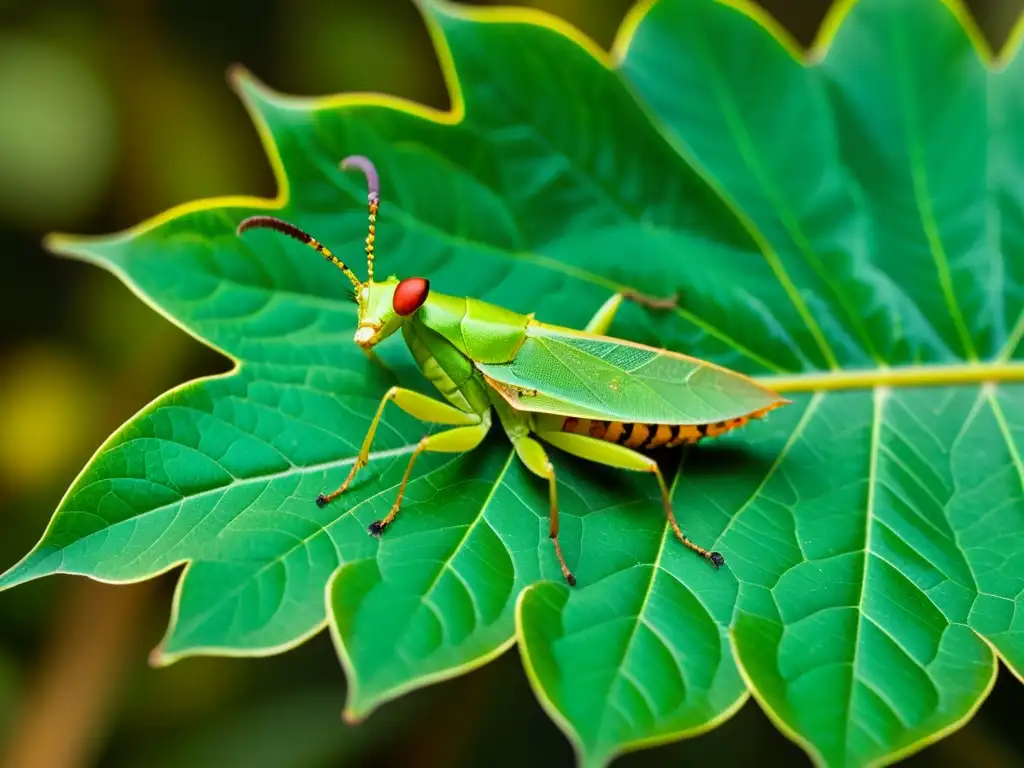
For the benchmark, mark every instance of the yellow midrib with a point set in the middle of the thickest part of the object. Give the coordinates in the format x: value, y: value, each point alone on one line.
x: 910, y: 376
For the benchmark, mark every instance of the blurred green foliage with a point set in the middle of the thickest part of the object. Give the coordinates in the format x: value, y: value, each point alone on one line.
x: 110, y: 112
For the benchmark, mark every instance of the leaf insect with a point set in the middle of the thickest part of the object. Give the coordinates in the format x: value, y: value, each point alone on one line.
x: 603, y: 399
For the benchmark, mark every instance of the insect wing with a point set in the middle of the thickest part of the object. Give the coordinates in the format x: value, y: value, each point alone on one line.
x: 572, y: 373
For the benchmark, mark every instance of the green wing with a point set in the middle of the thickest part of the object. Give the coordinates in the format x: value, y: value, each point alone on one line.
x: 573, y: 373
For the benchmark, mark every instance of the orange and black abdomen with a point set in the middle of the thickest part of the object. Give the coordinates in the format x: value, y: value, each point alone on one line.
x: 646, y: 437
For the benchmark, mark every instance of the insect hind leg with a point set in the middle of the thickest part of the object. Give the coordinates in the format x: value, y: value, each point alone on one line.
x: 613, y: 455
x: 533, y: 455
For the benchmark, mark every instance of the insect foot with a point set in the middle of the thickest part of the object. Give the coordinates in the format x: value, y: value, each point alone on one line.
x: 716, y: 559
x: 323, y: 499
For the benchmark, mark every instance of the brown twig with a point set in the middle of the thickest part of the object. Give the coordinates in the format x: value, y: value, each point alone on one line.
x: 94, y: 639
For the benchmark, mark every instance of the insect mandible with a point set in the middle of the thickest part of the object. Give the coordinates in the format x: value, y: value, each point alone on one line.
x: 602, y: 399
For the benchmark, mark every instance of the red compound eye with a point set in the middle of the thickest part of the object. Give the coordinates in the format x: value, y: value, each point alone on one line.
x: 410, y: 295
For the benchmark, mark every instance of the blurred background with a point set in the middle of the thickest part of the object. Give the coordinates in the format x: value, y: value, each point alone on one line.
x: 112, y: 111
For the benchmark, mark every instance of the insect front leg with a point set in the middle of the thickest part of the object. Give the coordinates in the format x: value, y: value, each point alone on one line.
x: 416, y: 405
x: 458, y: 440
x: 613, y: 455
x: 602, y: 319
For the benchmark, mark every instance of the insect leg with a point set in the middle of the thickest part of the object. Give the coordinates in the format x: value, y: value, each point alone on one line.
x: 532, y: 454
x: 602, y: 319
x: 613, y: 455
x: 416, y: 405
x: 652, y: 302
x: 458, y: 440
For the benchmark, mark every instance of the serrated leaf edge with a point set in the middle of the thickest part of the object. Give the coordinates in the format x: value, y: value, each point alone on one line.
x: 353, y: 714
x: 893, y: 757
x: 830, y: 24
x: 584, y: 758
x: 986, y: 374
x: 556, y: 715
x: 248, y: 87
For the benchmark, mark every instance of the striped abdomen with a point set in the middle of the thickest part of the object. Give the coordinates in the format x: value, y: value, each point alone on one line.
x: 645, y: 437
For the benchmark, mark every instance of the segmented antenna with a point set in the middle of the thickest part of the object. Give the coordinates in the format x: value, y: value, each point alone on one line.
x: 372, y: 198
x: 270, y: 222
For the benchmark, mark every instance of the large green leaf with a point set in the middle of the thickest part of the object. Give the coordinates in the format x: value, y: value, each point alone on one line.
x: 851, y: 230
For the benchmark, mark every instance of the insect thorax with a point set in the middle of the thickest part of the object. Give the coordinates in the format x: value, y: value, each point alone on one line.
x: 451, y: 372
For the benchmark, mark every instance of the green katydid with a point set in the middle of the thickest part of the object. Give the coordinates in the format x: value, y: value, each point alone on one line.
x: 602, y: 399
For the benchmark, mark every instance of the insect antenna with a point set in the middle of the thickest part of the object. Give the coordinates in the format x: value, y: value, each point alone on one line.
x: 270, y: 222
x: 372, y: 199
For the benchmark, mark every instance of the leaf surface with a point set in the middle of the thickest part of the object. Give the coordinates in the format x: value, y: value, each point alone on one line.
x: 879, y: 556
x: 849, y: 231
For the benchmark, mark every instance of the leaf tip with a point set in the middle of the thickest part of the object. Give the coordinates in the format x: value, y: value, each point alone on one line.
x: 250, y: 89
x: 429, y: 6
x: 445, y: 11
x: 161, y: 658
x: 35, y: 565
x: 351, y: 717
x: 86, y: 248
x: 241, y: 80
x: 156, y: 658
x: 61, y: 244
x: 54, y: 241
